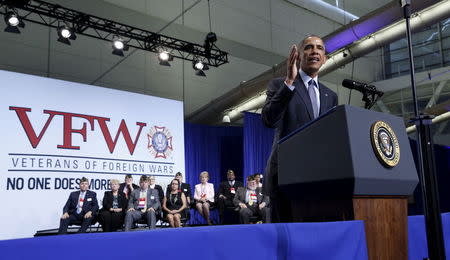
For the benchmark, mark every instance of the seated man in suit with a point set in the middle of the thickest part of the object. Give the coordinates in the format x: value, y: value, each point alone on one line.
x: 128, y: 186
x: 81, y: 206
x: 252, y: 202
x: 143, y: 203
x: 227, y: 190
x: 184, y: 187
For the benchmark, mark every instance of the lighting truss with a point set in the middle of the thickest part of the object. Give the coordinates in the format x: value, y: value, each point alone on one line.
x: 54, y: 16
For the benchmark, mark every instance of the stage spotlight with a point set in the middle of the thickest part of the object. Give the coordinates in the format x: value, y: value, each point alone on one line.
x: 65, y: 34
x: 119, y: 46
x: 164, y: 57
x: 12, y: 22
x: 199, y: 67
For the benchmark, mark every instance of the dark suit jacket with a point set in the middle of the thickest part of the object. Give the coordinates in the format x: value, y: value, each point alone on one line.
x: 160, y: 192
x: 242, y: 192
x: 225, y: 189
x: 152, y: 199
x: 286, y: 111
x: 90, y: 203
x: 108, y: 201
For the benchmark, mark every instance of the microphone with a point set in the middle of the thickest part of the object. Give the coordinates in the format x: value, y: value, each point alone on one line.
x: 361, y: 87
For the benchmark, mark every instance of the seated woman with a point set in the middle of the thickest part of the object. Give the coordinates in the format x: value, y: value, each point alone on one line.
x: 204, y: 196
x: 114, y: 206
x: 174, y: 204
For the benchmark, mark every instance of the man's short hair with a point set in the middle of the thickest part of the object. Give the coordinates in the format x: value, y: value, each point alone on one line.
x: 178, y: 174
x: 143, y: 178
x: 84, y: 179
x: 129, y: 176
x: 250, y: 178
x: 302, y: 42
x: 230, y: 171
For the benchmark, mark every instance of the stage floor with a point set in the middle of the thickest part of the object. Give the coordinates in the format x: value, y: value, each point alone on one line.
x: 330, y: 240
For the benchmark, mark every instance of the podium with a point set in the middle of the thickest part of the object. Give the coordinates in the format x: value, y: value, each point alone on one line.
x: 352, y: 164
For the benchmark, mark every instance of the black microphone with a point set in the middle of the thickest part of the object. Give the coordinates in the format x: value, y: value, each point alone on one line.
x: 361, y: 87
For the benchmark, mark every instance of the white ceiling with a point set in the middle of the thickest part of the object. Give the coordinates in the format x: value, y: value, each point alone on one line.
x: 256, y: 33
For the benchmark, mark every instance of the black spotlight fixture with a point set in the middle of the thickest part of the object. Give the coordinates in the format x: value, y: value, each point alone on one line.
x: 13, y: 21
x: 210, y: 39
x: 119, y: 46
x: 164, y: 57
x: 200, y: 67
x: 65, y: 34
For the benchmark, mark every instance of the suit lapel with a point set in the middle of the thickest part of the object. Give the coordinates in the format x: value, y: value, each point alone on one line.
x: 323, y: 99
x: 301, y: 91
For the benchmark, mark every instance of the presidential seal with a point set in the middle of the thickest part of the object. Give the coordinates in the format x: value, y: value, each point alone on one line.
x: 159, y: 142
x: 385, y: 144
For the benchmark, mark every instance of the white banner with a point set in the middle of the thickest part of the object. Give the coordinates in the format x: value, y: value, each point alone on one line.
x: 54, y: 132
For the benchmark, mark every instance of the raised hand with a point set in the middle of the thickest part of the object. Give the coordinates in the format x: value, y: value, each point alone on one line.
x: 292, y: 69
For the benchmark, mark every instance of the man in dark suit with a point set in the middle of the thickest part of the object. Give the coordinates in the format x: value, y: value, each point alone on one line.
x: 252, y: 202
x: 128, y: 186
x: 143, y: 203
x: 81, y: 206
x: 227, y: 190
x: 292, y: 102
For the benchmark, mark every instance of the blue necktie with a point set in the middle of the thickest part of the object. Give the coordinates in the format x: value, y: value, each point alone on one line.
x: 313, y: 97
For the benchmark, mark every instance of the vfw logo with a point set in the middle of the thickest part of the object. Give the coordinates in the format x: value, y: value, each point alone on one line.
x: 160, y: 142
x: 159, y: 138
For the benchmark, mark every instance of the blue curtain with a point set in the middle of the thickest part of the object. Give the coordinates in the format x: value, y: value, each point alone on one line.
x: 212, y: 149
x: 257, y: 144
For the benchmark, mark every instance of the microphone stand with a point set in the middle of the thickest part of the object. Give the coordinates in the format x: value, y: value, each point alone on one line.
x: 426, y: 163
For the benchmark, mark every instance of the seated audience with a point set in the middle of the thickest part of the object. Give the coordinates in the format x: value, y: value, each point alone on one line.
x: 81, y: 206
x: 128, y: 186
x: 143, y: 203
x: 257, y: 177
x: 114, y: 207
x: 252, y: 202
x: 204, y: 196
x: 174, y: 204
x: 227, y: 191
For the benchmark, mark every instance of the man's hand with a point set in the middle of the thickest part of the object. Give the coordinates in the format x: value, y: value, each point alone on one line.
x: 222, y: 196
x: 262, y: 205
x: 292, y: 69
x: 242, y: 205
x: 64, y: 216
x: 88, y: 214
x: 151, y: 209
x: 131, y: 209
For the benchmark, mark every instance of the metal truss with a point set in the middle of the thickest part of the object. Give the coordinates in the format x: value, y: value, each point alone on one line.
x: 52, y: 15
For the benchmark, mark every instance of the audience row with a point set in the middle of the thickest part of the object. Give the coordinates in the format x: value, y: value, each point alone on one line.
x: 127, y: 203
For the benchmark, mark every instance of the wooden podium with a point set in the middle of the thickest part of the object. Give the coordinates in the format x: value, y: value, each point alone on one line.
x: 352, y: 164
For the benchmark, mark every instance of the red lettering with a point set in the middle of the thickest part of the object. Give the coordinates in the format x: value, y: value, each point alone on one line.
x: 122, y: 129
x: 26, y: 124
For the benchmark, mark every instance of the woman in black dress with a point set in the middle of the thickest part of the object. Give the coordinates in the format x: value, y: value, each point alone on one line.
x: 174, y: 204
x: 114, y: 206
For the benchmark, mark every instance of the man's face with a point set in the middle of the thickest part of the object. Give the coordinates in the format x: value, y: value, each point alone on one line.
x: 179, y: 178
x: 230, y: 176
x: 251, y: 185
x: 84, y: 186
x: 257, y: 178
x: 312, y: 55
x: 128, y: 180
x: 144, y: 185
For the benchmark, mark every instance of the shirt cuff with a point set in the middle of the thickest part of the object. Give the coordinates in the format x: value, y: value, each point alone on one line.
x: 290, y: 87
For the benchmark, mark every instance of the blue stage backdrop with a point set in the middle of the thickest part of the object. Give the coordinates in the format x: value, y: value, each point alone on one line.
x: 257, y: 144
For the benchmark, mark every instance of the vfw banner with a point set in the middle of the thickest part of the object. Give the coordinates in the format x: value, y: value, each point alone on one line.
x: 54, y: 132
